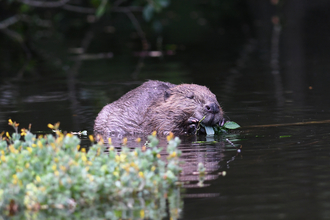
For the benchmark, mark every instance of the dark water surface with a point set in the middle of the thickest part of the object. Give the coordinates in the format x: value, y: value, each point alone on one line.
x: 272, y: 172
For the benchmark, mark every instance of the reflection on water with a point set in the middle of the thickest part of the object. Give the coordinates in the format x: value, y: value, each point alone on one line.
x: 149, y: 208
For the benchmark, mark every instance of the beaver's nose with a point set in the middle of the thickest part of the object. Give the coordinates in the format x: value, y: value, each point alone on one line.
x: 212, y: 107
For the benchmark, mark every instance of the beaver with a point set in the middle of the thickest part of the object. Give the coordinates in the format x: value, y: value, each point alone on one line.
x: 162, y: 107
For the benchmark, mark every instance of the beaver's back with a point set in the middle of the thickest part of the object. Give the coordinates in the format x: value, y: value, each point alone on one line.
x: 126, y: 114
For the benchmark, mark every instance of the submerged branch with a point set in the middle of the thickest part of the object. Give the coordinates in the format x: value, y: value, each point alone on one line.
x: 45, y: 4
x: 288, y: 124
x: 79, y: 9
x: 9, y: 21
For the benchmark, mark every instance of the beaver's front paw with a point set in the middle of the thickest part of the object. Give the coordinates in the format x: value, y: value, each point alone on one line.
x: 192, y: 125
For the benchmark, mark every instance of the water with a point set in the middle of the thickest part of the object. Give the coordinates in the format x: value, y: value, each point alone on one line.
x: 271, y: 172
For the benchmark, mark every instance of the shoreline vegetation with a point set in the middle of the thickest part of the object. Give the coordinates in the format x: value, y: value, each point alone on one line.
x: 50, y: 173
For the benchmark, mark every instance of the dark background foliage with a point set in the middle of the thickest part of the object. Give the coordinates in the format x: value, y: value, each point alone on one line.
x: 41, y: 38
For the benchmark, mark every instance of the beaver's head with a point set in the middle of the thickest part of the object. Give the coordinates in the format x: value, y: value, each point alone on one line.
x: 189, y: 104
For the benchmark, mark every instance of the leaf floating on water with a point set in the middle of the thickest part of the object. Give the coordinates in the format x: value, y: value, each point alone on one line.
x: 209, y: 130
x: 285, y: 136
x: 231, y: 125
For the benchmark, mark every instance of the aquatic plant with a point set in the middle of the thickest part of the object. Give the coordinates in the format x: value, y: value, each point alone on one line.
x: 48, y: 172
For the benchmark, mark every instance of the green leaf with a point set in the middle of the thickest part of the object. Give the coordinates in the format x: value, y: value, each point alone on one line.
x: 285, y: 136
x: 100, y: 11
x: 24, y: 8
x: 231, y: 125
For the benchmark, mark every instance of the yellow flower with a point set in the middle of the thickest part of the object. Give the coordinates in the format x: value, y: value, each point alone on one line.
x: 50, y: 126
x: 12, y: 149
x: 14, y: 176
x: 27, y: 165
x: 34, y: 145
x: 170, y: 136
x: 138, y: 140
x: 7, y: 134
x: 117, y: 158
x: 42, y: 189
x: 134, y: 166
x: 142, y: 213
x: 154, y: 133
x: 83, y: 150
x: 125, y: 141
x: 38, y: 178
x: 91, y: 138
x: 56, y: 173
x: 78, y: 147
x: 23, y: 131
x: 135, y: 153
x: 63, y: 168
x: 84, y: 158
x: 109, y: 141
x: 91, y: 178
x: 3, y: 158
x: 56, y: 160
x: 115, y: 173
x: 54, y: 167
x: 158, y: 156
x: 173, y: 154
x: 101, y: 141
x: 153, y: 168
x: 39, y: 144
x: 29, y: 149
x: 126, y: 167
x: 69, y: 135
x: 122, y: 157
x: 141, y: 174
x: 10, y: 122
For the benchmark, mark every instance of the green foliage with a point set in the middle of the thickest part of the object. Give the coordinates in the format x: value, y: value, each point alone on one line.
x: 50, y: 173
x: 101, y: 9
x: 229, y: 125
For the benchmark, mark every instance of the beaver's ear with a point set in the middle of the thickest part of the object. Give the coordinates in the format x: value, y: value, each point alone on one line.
x: 167, y: 94
x: 190, y: 95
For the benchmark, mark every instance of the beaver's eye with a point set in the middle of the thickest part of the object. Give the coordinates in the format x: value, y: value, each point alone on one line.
x: 190, y: 95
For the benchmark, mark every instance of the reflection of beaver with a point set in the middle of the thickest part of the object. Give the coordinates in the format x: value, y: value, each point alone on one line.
x: 162, y: 107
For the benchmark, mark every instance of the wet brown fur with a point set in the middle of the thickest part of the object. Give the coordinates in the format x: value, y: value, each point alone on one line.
x: 159, y: 106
